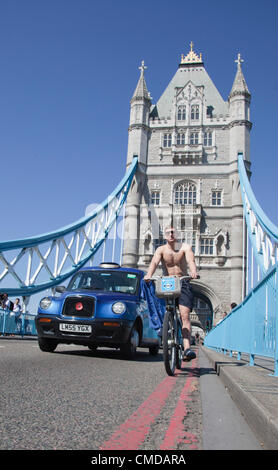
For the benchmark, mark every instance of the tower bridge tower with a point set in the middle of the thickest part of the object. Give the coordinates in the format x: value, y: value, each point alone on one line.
x: 187, y: 145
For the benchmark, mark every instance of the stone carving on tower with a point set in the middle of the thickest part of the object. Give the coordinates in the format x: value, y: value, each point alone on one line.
x: 187, y: 145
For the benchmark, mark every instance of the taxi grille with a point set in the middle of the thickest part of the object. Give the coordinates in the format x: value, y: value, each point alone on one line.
x: 79, y: 307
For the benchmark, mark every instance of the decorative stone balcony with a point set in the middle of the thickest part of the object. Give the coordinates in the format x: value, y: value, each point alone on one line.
x: 194, y: 156
x: 187, y: 210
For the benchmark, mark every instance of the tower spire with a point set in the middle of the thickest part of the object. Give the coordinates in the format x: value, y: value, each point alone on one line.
x: 141, y: 90
x: 239, y: 86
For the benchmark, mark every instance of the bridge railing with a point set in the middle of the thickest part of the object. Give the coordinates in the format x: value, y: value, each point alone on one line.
x: 251, y: 327
x: 11, y: 324
x: 262, y: 233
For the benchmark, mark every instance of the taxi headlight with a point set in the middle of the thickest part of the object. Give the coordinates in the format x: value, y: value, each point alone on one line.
x: 118, y: 307
x: 45, y: 303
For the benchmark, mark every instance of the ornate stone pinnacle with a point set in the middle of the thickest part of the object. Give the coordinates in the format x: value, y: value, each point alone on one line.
x: 191, y: 57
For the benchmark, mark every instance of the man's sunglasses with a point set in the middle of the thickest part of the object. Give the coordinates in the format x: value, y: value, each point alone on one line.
x: 170, y: 232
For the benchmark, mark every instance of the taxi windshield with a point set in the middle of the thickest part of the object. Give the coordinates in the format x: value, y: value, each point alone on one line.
x: 105, y: 281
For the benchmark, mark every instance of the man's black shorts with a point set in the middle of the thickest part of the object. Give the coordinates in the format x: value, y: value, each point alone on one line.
x: 186, y: 297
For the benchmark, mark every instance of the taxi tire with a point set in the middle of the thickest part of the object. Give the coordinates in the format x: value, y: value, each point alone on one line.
x: 154, y: 350
x: 128, y: 350
x: 47, y: 344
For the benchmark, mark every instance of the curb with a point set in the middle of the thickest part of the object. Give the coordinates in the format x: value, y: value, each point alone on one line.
x: 255, y: 393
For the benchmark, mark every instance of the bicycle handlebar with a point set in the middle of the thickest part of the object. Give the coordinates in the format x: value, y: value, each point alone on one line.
x: 180, y: 277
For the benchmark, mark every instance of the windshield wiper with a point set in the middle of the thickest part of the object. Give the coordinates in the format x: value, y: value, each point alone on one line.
x: 122, y: 292
x: 90, y: 288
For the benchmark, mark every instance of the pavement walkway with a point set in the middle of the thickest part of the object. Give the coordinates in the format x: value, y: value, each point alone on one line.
x: 254, y: 390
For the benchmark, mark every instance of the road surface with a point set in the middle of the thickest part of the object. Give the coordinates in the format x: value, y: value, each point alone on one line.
x: 74, y: 399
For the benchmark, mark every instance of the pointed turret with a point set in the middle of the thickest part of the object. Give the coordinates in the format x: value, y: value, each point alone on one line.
x: 139, y: 119
x: 239, y: 86
x: 239, y: 108
x: 141, y: 91
x: 240, y: 126
x: 139, y: 134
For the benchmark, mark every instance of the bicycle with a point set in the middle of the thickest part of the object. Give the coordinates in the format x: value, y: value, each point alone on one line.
x: 169, y: 288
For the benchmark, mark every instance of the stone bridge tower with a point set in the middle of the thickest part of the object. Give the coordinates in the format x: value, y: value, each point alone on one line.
x: 187, y: 145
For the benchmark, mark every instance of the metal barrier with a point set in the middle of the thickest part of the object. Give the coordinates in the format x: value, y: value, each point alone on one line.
x: 11, y: 324
x: 252, y: 327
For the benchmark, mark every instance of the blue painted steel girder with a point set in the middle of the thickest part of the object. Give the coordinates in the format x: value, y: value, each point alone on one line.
x: 25, y: 244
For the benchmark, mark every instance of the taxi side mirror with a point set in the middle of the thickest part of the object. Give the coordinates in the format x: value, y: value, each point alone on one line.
x: 60, y: 289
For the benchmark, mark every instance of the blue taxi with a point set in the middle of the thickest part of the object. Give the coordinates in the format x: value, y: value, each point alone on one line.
x: 101, y: 306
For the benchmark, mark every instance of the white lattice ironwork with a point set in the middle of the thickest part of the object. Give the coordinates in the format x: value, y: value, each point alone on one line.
x: 263, y: 234
x: 34, y: 264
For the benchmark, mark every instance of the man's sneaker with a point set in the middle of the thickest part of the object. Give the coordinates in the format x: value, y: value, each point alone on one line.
x: 189, y: 355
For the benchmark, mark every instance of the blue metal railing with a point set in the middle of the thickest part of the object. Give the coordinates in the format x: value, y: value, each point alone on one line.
x: 11, y: 324
x: 251, y: 327
x: 262, y: 233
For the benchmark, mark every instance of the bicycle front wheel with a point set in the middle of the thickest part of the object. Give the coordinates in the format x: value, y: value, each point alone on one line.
x: 169, y: 347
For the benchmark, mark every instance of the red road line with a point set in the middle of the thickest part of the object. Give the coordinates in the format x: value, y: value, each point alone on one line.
x: 132, y: 433
x: 176, y: 433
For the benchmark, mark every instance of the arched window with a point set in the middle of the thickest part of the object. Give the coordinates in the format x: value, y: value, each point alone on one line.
x: 185, y: 193
x: 195, y: 112
x: 167, y: 140
x: 181, y: 113
x: 180, y: 138
x: 194, y: 138
x: 155, y: 198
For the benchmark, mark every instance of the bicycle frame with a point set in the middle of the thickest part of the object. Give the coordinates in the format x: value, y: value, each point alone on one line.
x: 176, y: 343
x: 169, y: 288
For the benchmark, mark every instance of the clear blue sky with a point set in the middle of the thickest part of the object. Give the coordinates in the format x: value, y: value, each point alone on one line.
x: 68, y: 69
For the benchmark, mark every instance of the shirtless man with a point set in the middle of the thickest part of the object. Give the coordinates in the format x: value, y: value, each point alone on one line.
x: 175, y: 262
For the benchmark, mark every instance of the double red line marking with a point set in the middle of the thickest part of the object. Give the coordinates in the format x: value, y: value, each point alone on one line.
x: 132, y: 433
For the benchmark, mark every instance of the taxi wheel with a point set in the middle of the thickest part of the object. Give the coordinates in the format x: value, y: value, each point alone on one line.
x: 154, y: 350
x: 128, y: 350
x: 47, y: 344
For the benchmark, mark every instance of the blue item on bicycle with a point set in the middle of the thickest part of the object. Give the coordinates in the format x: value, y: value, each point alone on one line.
x: 156, y: 306
x: 168, y: 286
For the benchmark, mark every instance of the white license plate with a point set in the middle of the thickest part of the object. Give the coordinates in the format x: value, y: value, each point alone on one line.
x: 74, y: 328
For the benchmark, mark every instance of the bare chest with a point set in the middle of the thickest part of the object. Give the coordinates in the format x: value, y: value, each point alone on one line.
x: 173, y: 258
